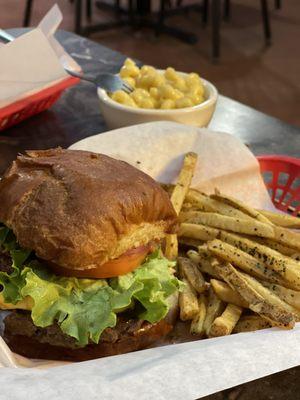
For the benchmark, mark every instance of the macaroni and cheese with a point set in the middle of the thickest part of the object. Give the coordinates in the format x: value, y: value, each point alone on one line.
x: 156, y: 90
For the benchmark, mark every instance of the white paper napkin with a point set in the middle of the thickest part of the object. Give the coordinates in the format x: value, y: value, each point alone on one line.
x: 33, y: 61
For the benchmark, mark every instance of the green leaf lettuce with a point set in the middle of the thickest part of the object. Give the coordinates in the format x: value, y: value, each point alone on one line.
x: 85, y: 307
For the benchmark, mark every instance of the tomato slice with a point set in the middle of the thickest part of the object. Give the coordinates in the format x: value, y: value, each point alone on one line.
x: 127, y: 262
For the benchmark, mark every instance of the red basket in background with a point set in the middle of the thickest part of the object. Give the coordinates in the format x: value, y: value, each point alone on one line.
x: 33, y: 104
x: 282, y: 178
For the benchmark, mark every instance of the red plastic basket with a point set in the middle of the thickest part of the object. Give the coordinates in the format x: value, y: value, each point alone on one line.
x: 282, y: 178
x: 33, y: 104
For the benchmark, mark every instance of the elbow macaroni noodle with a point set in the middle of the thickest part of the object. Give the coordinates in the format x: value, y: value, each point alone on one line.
x: 155, y: 90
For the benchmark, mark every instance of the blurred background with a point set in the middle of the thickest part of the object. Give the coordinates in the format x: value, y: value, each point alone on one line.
x: 259, y: 61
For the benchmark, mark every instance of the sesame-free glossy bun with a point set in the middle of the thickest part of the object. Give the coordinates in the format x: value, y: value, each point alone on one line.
x: 79, y: 209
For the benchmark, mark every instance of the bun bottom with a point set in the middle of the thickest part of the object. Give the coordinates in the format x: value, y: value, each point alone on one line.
x: 30, y: 347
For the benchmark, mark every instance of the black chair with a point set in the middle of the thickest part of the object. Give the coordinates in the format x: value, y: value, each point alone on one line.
x: 216, y: 13
x: 277, y: 4
x: 264, y: 13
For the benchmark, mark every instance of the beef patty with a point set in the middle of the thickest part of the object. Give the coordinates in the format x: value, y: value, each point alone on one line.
x: 24, y: 338
x: 20, y: 323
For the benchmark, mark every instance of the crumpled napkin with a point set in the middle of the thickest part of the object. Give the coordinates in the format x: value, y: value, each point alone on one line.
x: 33, y: 61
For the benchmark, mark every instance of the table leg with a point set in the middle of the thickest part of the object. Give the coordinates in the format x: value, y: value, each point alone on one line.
x: 204, y: 12
x: 216, y: 19
x: 131, y: 12
x: 161, y: 18
x: 266, y: 20
x: 27, y: 13
x: 278, y: 4
x: 89, y: 9
x: 227, y: 9
x: 78, y: 12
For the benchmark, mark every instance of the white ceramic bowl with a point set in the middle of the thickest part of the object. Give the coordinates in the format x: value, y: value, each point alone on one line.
x: 117, y: 115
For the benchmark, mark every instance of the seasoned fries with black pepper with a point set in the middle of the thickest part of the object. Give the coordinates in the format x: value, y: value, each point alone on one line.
x: 205, y: 203
x: 189, y: 270
x: 284, y: 220
x: 227, y: 294
x: 177, y: 198
x: 239, y: 225
x: 225, y: 323
x: 188, y: 302
x: 205, y: 264
x: 290, y: 296
x: 214, y: 309
x: 283, y: 265
x: 200, y: 232
x: 242, y: 261
x: 239, y: 205
x: 250, y: 323
x: 197, y: 325
x: 276, y: 314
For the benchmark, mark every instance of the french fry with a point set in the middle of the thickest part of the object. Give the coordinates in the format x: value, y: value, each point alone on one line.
x: 208, y: 266
x: 200, y: 232
x: 250, y: 323
x: 184, y: 180
x: 239, y: 225
x: 275, y: 261
x: 188, y: 302
x: 190, y: 271
x: 285, y: 250
x: 203, y: 251
x: 204, y: 203
x: 271, y: 297
x: 244, y: 261
x: 171, y: 247
x: 226, y: 294
x: 225, y: 323
x: 189, y: 242
x: 200, y: 200
x: 215, y: 308
x: 239, y: 205
x: 275, y: 314
x: 177, y: 198
x: 188, y: 207
x: 194, y: 256
x: 290, y: 296
x: 205, y: 265
x: 197, y: 325
x: 284, y: 220
x: 287, y: 237
x: 296, y: 256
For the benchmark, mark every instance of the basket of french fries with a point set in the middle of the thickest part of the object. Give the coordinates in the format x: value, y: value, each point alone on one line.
x: 240, y: 266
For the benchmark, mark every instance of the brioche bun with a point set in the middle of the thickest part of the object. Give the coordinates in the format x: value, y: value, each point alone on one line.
x: 78, y: 209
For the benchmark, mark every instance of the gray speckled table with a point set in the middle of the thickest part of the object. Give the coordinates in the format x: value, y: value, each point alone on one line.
x: 76, y: 116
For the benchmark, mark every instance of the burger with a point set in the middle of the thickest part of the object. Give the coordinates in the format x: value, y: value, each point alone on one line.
x: 82, y: 273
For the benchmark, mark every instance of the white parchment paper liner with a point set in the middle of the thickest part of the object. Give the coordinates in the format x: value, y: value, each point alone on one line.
x: 183, y: 371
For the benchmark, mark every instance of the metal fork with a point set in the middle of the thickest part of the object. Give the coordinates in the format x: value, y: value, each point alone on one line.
x: 106, y: 81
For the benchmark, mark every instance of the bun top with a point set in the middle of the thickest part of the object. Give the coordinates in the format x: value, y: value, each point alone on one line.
x: 79, y: 209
